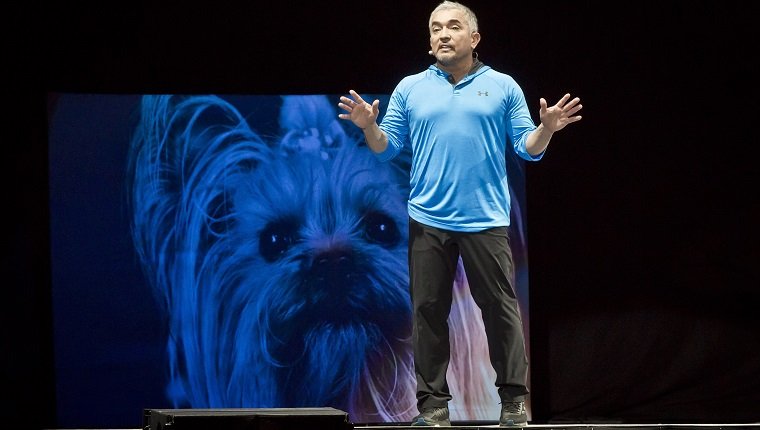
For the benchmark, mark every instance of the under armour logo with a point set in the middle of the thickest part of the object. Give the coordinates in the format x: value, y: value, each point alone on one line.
x: 483, y: 93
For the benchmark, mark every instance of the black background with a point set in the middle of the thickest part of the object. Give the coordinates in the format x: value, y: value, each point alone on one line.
x: 642, y: 218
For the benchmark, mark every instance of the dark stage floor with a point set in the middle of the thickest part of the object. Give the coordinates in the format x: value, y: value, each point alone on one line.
x: 588, y: 426
x: 329, y: 418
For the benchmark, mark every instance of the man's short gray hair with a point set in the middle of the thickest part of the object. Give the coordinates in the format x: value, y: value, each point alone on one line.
x: 472, y: 20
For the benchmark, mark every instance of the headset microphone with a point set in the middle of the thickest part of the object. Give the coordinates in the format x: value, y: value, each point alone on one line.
x: 430, y: 52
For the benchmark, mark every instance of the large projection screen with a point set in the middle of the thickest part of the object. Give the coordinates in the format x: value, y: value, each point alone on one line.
x: 240, y: 251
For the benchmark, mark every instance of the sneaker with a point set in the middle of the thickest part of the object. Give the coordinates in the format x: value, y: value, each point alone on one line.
x: 513, y: 414
x: 433, y: 417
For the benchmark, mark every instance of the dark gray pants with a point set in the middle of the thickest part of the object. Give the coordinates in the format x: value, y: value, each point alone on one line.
x: 487, y: 259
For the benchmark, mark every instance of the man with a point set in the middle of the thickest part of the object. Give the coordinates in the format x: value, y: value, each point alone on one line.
x: 459, y: 115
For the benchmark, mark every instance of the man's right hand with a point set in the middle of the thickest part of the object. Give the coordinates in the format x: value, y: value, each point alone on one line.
x: 361, y: 113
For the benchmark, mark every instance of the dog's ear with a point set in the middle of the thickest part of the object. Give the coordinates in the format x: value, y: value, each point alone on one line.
x: 185, y: 153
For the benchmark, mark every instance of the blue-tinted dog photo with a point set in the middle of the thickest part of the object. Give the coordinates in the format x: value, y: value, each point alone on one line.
x: 280, y: 262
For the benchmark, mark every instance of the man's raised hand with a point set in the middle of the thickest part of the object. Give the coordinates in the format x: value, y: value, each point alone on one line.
x: 361, y: 113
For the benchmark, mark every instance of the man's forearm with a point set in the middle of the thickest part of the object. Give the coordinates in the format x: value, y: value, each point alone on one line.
x: 538, y: 140
x: 376, y: 139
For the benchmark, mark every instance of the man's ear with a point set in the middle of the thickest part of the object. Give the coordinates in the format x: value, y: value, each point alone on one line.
x: 475, y: 39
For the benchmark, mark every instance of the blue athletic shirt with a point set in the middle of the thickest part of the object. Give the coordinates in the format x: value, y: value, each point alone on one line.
x: 458, y: 135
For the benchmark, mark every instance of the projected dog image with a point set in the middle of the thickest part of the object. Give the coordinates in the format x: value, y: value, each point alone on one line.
x: 280, y: 263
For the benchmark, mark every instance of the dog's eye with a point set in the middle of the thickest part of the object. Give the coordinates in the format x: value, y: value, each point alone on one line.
x: 276, y: 238
x: 380, y: 228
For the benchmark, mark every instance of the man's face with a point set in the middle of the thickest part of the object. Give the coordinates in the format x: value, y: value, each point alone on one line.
x: 451, y: 39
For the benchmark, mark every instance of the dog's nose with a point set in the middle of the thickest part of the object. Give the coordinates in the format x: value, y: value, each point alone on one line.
x: 334, y: 264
